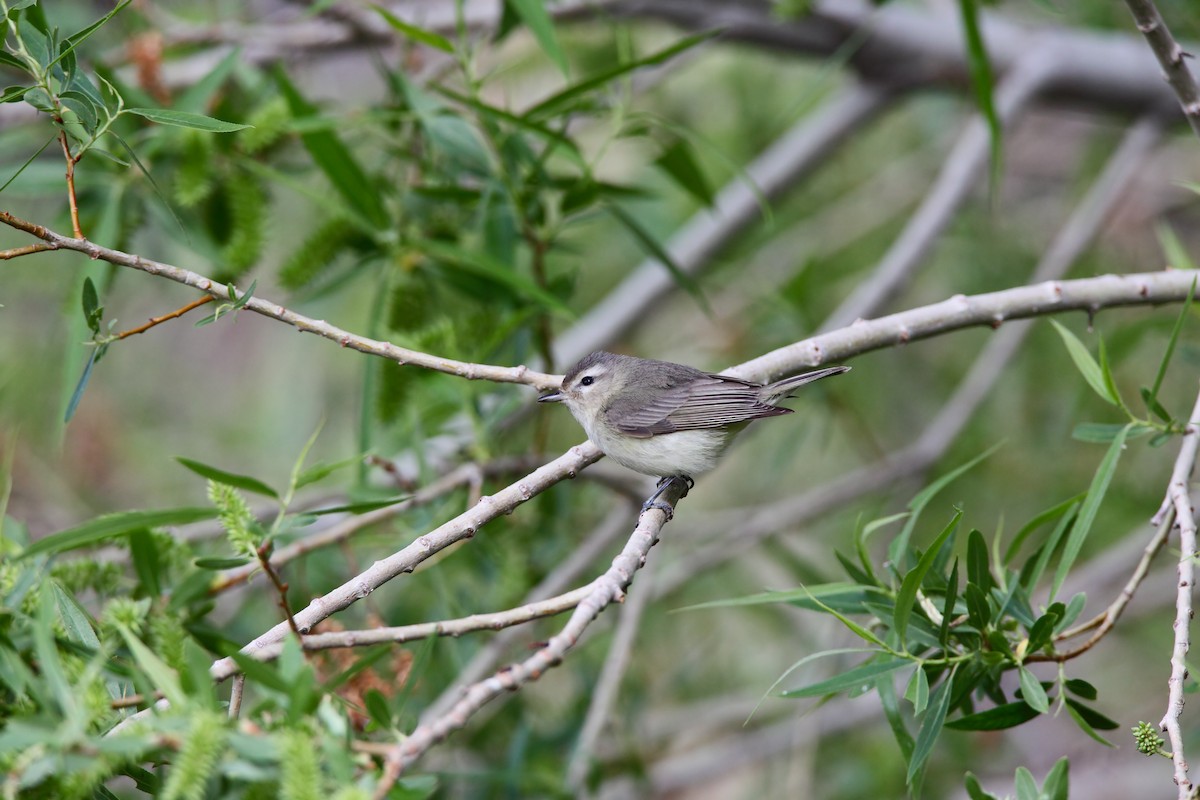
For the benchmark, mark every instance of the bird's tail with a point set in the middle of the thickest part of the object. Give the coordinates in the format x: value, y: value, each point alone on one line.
x: 784, y: 388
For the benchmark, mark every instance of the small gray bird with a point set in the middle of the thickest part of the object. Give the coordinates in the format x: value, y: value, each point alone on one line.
x: 663, y: 419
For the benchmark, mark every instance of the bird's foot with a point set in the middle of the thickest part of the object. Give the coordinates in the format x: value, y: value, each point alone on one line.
x: 663, y: 484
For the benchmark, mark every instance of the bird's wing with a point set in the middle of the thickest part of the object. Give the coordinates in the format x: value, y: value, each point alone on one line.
x: 705, y: 401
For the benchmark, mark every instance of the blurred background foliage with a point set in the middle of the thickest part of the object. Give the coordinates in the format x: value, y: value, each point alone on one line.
x: 475, y: 204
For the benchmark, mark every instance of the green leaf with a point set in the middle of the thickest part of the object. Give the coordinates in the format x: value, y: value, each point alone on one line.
x: 1092, y: 716
x: 200, y: 95
x: 221, y: 563
x: 1080, y: 687
x: 891, y: 711
x: 77, y: 394
x: 146, y: 562
x: 855, y: 678
x: 112, y: 525
x: 1025, y: 785
x: 186, y: 119
x: 1073, y: 709
x: 434, y: 40
x: 898, y: 549
x: 1166, y: 359
x: 977, y: 561
x: 322, y: 470
x: 551, y: 105
x: 840, y: 595
x: 1176, y: 253
x: 974, y: 790
x: 335, y: 160
x: 1057, y: 785
x: 1084, y: 362
x: 533, y: 14
x: 679, y: 162
x: 1032, y: 691
x: 948, y: 605
x: 1041, y: 519
x: 1105, y: 432
x: 377, y: 708
x: 1088, y: 511
x: 80, y: 36
x: 906, y: 598
x: 978, y: 610
x: 1043, y: 629
x: 655, y: 249
x: 360, y: 507
x: 917, y: 691
x: 92, y: 310
x: 485, y: 266
x: 931, y: 726
x: 1154, y: 406
x: 861, y: 537
x: 999, y: 718
x: 74, y: 619
x: 1110, y: 383
x: 228, y: 478
x: 162, y: 676
x: 979, y: 65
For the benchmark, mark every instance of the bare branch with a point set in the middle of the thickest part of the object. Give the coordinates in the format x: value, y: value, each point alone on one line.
x: 607, y: 589
x: 401, y: 355
x: 1171, y: 56
x: 1185, y: 520
x: 424, y: 630
x: 179, y: 312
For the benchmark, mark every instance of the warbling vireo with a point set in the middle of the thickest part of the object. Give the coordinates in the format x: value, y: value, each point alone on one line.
x: 663, y: 419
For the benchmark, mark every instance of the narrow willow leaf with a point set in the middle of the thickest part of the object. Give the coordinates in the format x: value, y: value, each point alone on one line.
x: 533, y: 13
x: 891, y: 711
x: 434, y: 40
x: 1080, y: 687
x: 557, y: 101
x: 485, y: 266
x: 978, y: 571
x: 851, y: 679
x: 1088, y: 511
x: 1105, y: 432
x: 1057, y: 785
x: 679, y: 162
x: 917, y: 691
x: 1086, y: 726
x: 974, y: 790
x: 906, y: 598
x: 1084, y: 362
x: 186, y: 119
x: 931, y: 726
x: 948, y: 605
x: 1025, y: 785
x: 1166, y: 359
x: 112, y: 525
x: 979, y: 65
x: 999, y: 718
x: 898, y: 549
x: 1054, y: 512
x: 1110, y: 383
x: 77, y: 394
x: 655, y: 249
x: 228, y: 478
x: 73, y: 618
x: 162, y: 676
x: 1032, y: 691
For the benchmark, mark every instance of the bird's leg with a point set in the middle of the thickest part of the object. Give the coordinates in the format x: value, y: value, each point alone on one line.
x: 663, y: 483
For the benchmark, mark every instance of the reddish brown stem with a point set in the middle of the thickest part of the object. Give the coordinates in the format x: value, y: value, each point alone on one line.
x: 264, y: 558
x: 17, y: 252
x: 179, y: 312
x: 71, y: 161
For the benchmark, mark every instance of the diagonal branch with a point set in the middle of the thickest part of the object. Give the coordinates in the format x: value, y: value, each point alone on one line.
x: 300, y: 322
x: 1170, y: 56
x: 1179, y: 501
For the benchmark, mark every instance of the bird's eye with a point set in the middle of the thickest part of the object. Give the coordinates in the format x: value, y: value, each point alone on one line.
x: 586, y: 380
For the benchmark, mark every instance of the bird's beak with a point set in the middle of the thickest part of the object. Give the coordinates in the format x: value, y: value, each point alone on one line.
x: 552, y: 397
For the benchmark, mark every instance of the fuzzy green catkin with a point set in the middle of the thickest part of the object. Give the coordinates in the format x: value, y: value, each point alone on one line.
x: 189, y: 776
x: 352, y: 793
x: 248, y: 221
x: 168, y: 635
x: 316, y: 254
x: 267, y: 124
x: 235, y: 517
x: 194, y: 178
x: 301, y: 776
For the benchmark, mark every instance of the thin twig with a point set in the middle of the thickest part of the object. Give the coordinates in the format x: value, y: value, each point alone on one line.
x: 607, y: 589
x: 401, y: 355
x: 1170, y: 56
x: 1103, y: 623
x: 264, y: 559
x: 17, y: 252
x: 1185, y: 519
x: 408, y: 633
x: 236, y: 692
x: 179, y: 312
x: 608, y: 684
x: 71, y: 161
